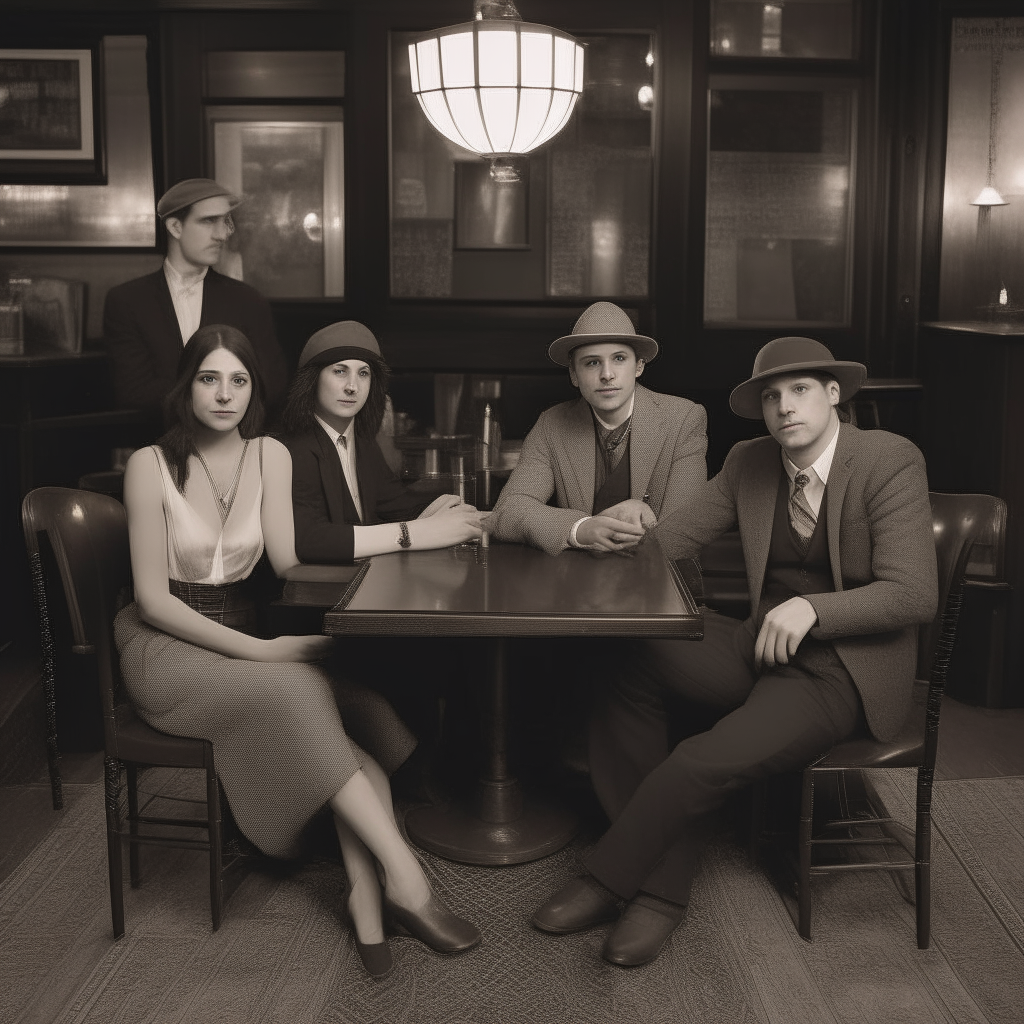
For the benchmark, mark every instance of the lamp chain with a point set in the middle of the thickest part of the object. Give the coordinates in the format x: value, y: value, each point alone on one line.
x: 993, y: 112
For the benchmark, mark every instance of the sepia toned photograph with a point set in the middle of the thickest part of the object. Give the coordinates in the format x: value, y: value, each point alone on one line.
x: 511, y: 512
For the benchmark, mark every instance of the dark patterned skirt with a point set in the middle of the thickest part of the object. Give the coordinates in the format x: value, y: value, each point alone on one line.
x: 279, y: 744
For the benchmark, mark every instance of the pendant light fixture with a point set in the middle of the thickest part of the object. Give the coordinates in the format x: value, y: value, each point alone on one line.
x: 497, y: 86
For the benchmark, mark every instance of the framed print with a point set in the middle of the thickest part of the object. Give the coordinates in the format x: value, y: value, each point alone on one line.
x: 51, y: 124
x: 116, y: 212
x: 489, y: 214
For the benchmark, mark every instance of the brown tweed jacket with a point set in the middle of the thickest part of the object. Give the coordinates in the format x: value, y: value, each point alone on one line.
x: 667, y: 444
x: 881, y: 548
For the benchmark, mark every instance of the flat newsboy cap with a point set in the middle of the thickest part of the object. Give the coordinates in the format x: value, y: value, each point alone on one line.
x: 793, y: 356
x: 192, y: 190
x: 602, y: 321
x: 347, y: 339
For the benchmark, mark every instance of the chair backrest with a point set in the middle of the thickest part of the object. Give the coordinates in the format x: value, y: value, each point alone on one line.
x: 88, y: 536
x: 958, y: 520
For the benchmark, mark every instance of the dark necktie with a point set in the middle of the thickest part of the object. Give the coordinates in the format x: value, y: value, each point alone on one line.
x: 801, y: 518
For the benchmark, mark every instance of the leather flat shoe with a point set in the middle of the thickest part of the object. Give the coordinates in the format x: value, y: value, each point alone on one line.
x: 578, y: 905
x: 434, y: 925
x: 641, y: 932
x: 376, y: 958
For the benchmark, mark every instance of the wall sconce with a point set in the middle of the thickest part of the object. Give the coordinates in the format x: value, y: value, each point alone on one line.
x: 497, y: 86
x: 988, y: 196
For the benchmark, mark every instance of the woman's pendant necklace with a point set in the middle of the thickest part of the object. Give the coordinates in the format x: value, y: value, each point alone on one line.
x: 225, y: 501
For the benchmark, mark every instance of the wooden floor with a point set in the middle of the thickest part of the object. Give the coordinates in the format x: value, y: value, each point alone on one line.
x: 975, y: 743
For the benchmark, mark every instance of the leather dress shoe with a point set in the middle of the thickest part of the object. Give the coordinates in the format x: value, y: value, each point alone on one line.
x: 578, y: 905
x: 376, y: 958
x: 434, y: 925
x: 642, y: 931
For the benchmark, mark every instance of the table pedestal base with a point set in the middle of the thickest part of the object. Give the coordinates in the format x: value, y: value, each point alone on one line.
x: 458, y: 833
x: 502, y: 825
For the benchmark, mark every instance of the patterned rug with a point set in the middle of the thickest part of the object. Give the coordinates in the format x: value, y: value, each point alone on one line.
x: 284, y: 953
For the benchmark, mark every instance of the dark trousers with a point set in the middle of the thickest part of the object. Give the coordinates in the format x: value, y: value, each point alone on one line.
x: 767, y: 724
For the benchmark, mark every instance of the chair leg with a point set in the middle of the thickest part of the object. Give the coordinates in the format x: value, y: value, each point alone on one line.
x: 804, y: 881
x: 216, y: 853
x: 115, y: 867
x: 923, y: 858
x: 133, y: 824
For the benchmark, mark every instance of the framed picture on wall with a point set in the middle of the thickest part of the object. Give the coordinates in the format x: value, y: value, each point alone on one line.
x: 51, y: 117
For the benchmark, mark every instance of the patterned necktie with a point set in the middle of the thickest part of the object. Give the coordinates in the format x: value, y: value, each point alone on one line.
x: 801, y: 518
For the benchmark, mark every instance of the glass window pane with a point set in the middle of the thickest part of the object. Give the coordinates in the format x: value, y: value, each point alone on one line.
x: 982, y: 272
x: 779, y: 202
x: 580, y: 228
x: 289, y: 238
x: 794, y: 28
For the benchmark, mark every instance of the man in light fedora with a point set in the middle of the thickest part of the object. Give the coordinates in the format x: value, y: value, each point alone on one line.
x: 615, y: 460
x: 836, y: 530
x: 147, y: 321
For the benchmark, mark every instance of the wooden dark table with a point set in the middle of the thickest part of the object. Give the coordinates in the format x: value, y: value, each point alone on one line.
x: 506, y: 591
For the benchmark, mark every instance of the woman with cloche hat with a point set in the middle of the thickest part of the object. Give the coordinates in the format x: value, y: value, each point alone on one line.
x: 348, y: 502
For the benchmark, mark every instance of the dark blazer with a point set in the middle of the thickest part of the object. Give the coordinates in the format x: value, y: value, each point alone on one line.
x: 141, y: 333
x: 881, y: 549
x: 668, y: 441
x: 324, y: 511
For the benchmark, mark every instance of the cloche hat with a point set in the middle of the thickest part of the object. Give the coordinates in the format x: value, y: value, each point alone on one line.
x: 793, y: 355
x: 602, y: 321
x: 347, y: 339
x: 193, y: 190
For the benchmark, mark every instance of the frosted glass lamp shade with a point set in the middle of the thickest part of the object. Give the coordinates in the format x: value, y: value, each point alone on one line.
x: 988, y: 196
x: 498, y: 88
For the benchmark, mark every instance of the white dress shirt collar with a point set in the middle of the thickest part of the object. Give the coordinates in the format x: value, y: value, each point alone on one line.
x: 817, y: 473
x: 347, y: 457
x: 608, y: 426
x: 187, y: 298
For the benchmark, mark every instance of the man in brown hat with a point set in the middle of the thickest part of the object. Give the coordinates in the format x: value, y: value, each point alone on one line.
x: 147, y: 321
x: 836, y: 530
x: 615, y: 460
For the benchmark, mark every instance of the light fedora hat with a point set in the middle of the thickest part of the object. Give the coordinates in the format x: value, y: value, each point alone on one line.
x: 788, y: 356
x: 347, y: 339
x: 602, y: 321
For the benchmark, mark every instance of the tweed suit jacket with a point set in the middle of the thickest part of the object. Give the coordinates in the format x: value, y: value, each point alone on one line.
x: 668, y: 442
x: 881, y: 551
x: 325, y: 514
x: 142, y: 336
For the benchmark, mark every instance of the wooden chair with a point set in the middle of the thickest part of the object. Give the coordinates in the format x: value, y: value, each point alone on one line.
x: 958, y: 520
x: 82, y: 536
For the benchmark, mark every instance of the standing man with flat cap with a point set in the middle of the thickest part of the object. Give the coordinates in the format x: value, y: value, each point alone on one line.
x: 147, y: 321
x: 615, y: 460
x: 836, y: 530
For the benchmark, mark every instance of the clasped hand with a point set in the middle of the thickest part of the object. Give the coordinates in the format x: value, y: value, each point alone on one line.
x: 448, y: 520
x: 782, y: 631
x: 619, y: 528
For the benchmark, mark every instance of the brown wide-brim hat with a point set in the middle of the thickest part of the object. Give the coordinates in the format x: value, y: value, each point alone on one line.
x: 789, y: 356
x: 347, y: 339
x: 193, y: 190
x: 602, y: 321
